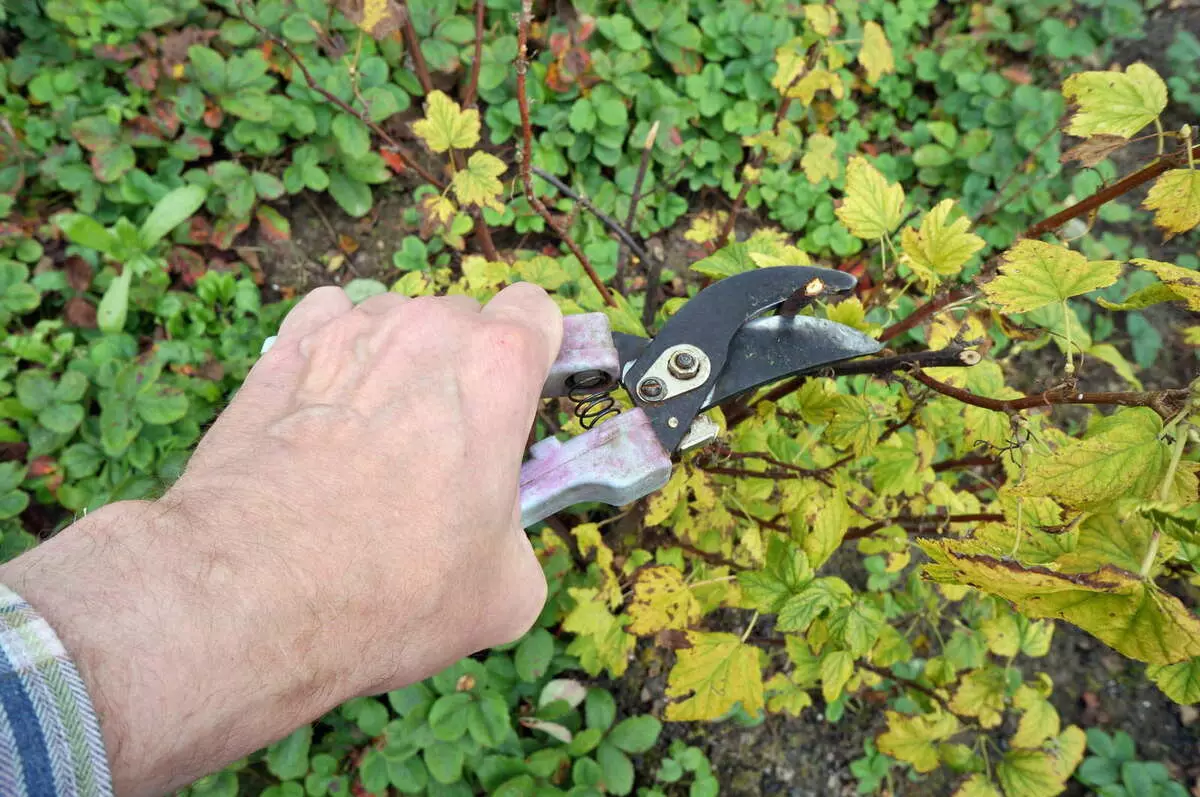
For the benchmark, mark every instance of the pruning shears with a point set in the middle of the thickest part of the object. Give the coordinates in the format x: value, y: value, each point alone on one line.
x: 722, y: 343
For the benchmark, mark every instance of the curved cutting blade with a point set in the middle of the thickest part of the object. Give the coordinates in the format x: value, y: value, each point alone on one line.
x: 768, y: 349
x: 710, y: 321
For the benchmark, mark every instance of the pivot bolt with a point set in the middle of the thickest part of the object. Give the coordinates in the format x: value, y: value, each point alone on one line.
x: 683, y: 365
x: 651, y: 389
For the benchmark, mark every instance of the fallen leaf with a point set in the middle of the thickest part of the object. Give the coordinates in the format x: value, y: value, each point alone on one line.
x: 377, y: 18
x: 347, y: 244
x: 79, y: 312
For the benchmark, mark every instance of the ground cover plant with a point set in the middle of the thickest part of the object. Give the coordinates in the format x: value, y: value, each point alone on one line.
x: 902, y: 544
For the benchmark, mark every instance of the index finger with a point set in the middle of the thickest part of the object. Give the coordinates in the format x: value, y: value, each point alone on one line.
x: 529, y: 305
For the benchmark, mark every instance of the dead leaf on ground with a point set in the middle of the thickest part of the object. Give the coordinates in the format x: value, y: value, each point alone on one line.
x: 377, y: 18
x: 79, y: 312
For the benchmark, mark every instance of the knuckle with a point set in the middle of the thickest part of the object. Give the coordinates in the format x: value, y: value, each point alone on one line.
x: 510, y: 342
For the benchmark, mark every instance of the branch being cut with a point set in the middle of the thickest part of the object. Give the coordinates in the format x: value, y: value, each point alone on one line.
x: 526, y: 155
x: 1166, y: 403
x: 477, y: 63
x: 634, y: 198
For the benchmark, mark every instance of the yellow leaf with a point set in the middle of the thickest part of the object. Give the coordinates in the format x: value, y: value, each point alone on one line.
x: 912, y: 738
x: 1067, y: 750
x: 588, y: 538
x: 769, y: 247
x: 600, y: 642
x: 836, y: 669
x: 1176, y: 199
x: 780, y: 144
x: 872, y: 207
x: 981, y: 694
x: 818, y: 79
x: 446, y: 125
x: 706, y: 226
x: 820, y: 161
x: 977, y: 786
x: 661, y: 600
x: 851, y: 313
x: 1002, y: 634
x: 1120, y: 456
x: 939, y: 249
x: 1035, y: 274
x: 855, y: 425
x: 1039, y: 720
x: 478, y: 183
x: 1117, y: 607
x: 789, y: 62
x: 821, y: 18
x: 709, y: 678
x: 876, y: 53
x: 1028, y: 773
x: 1114, y: 103
x: 784, y: 696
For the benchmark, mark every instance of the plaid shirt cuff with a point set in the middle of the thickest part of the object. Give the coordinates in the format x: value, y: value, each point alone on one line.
x: 50, y: 744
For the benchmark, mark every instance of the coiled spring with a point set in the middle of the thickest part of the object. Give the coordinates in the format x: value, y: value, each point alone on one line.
x: 592, y: 394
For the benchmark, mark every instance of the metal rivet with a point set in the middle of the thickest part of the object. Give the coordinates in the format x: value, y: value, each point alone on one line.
x: 651, y: 388
x: 673, y: 422
x: 683, y: 365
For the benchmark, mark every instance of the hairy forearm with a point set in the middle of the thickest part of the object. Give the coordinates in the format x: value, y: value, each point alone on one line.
x: 170, y: 652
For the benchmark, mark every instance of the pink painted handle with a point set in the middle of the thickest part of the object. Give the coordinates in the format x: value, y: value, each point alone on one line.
x: 587, y: 346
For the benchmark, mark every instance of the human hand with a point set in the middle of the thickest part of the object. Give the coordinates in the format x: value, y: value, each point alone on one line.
x: 350, y: 524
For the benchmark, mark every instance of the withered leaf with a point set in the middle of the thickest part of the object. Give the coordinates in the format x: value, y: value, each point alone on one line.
x: 1093, y: 150
x: 377, y: 18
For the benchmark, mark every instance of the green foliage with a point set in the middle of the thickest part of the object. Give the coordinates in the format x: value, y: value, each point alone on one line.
x: 151, y: 150
x: 1113, y: 770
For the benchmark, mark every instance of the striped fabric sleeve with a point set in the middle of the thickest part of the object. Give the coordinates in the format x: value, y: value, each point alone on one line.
x: 50, y: 743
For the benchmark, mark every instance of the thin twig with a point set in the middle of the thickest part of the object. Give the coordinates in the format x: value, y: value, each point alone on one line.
x: 390, y: 140
x: 770, y: 524
x: 923, y: 312
x: 414, y: 50
x: 988, y: 209
x: 907, y: 683
x: 522, y: 67
x: 477, y: 63
x: 1165, y: 402
x: 634, y: 198
x: 922, y: 525
x: 974, y: 461
x: 607, y: 220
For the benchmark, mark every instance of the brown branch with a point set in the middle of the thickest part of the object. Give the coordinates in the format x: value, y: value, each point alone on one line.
x: 650, y: 301
x: 1165, y: 402
x: 634, y: 198
x: 390, y: 140
x: 774, y: 475
x: 468, y: 100
x: 770, y: 524
x: 924, y: 311
x: 906, y: 683
x: 608, y: 221
x: 711, y: 558
x: 526, y: 152
x: 414, y: 49
x: 975, y: 461
x: 1105, y: 195
x: 922, y: 525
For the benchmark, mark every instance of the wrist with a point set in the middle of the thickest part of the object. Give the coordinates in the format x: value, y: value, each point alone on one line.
x: 169, y: 642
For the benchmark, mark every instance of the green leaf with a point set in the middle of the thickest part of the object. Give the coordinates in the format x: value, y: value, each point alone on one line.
x: 169, y: 212
x: 35, y: 390
x: 582, y: 118
x: 818, y: 596
x: 726, y: 261
x: 61, y: 418
x: 534, y: 654
x: 12, y: 503
x: 161, y: 404
x: 940, y: 248
x: 448, y: 716
x: 444, y: 761
x: 352, y: 196
x: 600, y: 710
x: 85, y: 231
x: 111, y: 164
x: 287, y: 759
x: 114, y: 305
x: 253, y: 106
x: 1035, y: 274
x: 373, y: 770
x: 635, y: 734
x: 617, y: 768
x: 209, y: 67
x: 1114, y: 103
x: 785, y: 574
x: 352, y: 136
x: 836, y: 668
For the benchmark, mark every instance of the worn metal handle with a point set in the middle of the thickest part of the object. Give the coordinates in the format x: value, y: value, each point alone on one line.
x: 615, y: 463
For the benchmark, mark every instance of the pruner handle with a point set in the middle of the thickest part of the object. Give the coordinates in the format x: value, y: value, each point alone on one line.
x: 587, y: 350
x: 616, y: 463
